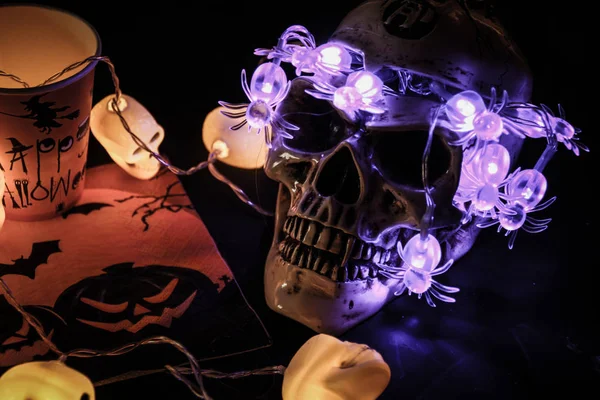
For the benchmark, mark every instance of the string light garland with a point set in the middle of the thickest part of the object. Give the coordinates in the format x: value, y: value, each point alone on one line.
x: 118, y: 105
x: 14, y: 78
x: 336, y: 369
x: 197, y: 387
x: 488, y: 191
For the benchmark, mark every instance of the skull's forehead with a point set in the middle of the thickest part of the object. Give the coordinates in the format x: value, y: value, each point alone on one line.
x: 439, y: 40
x: 406, y: 111
x: 411, y: 112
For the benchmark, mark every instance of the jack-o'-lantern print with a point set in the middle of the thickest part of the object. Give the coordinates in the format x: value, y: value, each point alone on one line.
x: 129, y: 261
x: 19, y: 342
x: 125, y: 302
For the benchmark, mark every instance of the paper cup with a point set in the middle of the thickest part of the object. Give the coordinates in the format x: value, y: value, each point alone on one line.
x: 44, y: 129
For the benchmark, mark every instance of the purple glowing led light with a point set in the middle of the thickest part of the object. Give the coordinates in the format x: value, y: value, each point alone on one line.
x: 462, y: 108
x: 482, y: 178
x: 468, y: 117
x: 363, y: 91
x: 493, y: 164
x: 327, y: 59
x: 527, y: 188
x: 268, y: 87
x: 420, y: 263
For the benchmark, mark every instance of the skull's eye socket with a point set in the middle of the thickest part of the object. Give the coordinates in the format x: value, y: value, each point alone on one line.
x: 398, y: 156
x: 318, y: 131
x: 85, y: 396
x: 320, y: 126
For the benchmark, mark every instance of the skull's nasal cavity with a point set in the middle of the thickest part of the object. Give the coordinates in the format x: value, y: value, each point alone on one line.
x: 339, y: 178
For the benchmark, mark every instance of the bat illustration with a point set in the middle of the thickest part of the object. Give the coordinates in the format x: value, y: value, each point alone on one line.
x: 85, y: 209
x: 40, y: 252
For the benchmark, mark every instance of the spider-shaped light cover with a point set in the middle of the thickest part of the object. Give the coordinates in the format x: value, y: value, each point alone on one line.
x: 487, y: 189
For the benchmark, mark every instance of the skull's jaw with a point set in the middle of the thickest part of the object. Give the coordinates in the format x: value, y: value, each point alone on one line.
x: 301, y: 288
x: 326, y: 299
x: 333, y: 307
x: 318, y: 302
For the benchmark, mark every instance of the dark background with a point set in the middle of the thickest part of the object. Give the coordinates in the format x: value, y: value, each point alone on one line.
x: 526, y: 320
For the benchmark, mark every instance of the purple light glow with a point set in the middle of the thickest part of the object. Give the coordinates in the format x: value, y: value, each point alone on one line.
x: 420, y: 263
x: 493, y: 164
x: 527, y: 188
x: 462, y: 109
x: 487, y: 188
x: 363, y: 91
x: 328, y: 59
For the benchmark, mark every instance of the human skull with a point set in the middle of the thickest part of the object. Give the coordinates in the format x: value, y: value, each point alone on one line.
x: 125, y: 152
x: 350, y: 191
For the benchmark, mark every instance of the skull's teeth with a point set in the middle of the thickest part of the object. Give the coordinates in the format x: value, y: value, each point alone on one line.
x: 357, y: 250
x: 333, y: 240
x: 324, y: 239
x: 329, y: 251
x: 312, y: 234
x: 377, y: 256
x: 367, y: 252
x: 352, y: 272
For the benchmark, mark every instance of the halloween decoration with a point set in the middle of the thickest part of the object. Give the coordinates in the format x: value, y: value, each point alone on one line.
x: 323, y: 368
x: 50, y: 380
x: 268, y: 87
x: 44, y: 124
x: 108, y: 129
x: 239, y: 150
x: 394, y: 145
x: 326, y: 368
x: 85, y: 209
x: 154, y: 204
x: 165, y: 283
x: 385, y: 138
x: 27, y: 266
x: 394, y: 157
x: 127, y: 301
x: 19, y: 343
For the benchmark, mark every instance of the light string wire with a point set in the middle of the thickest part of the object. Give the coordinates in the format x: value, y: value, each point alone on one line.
x: 427, y: 220
x: 115, y: 106
x: 14, y: 78
x: 179, y: 372
x: 506, y: 203
x: 551, y: 146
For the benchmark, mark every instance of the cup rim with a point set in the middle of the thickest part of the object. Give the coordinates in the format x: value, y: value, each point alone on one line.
x: 64, y: 82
